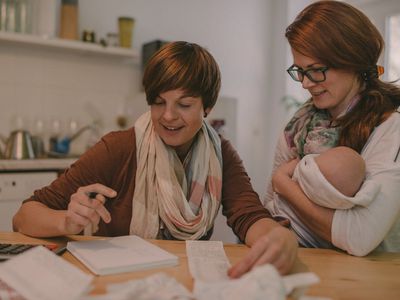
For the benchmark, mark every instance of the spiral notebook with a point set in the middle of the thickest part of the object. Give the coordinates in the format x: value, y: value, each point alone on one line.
x: 120, y: 254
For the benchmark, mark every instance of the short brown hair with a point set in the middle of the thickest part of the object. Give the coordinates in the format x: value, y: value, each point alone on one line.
x: 186, y: 66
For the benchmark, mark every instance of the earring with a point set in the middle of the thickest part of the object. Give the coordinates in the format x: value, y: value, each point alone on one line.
x: 205, y: 115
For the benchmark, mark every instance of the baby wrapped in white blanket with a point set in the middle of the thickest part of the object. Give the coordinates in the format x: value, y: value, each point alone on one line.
x: 331, y: 179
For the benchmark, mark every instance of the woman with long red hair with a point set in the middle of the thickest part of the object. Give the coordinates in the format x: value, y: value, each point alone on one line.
x: 335, y: 50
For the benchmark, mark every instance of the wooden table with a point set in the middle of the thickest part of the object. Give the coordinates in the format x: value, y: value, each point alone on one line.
x: 376, y: 276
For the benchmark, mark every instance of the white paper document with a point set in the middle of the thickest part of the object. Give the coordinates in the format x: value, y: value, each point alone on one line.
x: 8, y: 293
x: 296, y: 284
x: 155, y: 287
x: 263, y: 282
x: 208, y: 265
x: 121, y: 254
x: 207, y: 260
x: 39, y: 274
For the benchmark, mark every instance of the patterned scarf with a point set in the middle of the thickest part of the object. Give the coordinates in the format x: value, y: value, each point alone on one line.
x: 183, y: 197
x: 312, y: 131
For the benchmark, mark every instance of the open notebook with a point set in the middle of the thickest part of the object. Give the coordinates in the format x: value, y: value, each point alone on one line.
x: 120, y: 254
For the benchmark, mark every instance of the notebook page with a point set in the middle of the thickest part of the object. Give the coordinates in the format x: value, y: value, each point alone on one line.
x: 39, y: 274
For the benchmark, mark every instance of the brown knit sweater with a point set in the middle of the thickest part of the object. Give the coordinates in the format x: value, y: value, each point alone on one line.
x: 112, y: 162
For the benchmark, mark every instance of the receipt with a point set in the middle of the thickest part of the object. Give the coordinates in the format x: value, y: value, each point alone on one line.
x: 39, y: 274
x: 207, y: 260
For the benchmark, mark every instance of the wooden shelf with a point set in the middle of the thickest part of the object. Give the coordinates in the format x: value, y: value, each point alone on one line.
x: 69, y: 45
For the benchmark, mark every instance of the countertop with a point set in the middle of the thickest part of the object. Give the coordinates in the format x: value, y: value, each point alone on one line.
x: 36, y: 164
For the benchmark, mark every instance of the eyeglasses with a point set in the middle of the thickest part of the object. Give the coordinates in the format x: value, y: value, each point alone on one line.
x: 315, y: 75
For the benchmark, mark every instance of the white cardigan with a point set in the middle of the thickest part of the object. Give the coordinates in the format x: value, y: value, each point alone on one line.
x: 361, y: 229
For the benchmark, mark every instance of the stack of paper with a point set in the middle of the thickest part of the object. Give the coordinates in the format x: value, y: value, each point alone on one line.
x: 120, y: 254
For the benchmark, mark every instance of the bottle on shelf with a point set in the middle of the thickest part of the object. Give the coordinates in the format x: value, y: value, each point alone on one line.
x: 125, y: 30
x: 69, y: 20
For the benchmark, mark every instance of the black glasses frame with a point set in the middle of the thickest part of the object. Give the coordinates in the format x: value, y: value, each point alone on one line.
x: 292, y: 69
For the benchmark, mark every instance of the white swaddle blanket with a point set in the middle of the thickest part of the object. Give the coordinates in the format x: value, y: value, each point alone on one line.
x: 319, y: 190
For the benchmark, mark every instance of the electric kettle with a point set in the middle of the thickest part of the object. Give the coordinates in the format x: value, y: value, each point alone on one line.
x: 18, y: 146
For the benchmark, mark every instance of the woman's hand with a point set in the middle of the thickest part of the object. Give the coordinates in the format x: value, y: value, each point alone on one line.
x: 277, y: 247
x: 86, y: 207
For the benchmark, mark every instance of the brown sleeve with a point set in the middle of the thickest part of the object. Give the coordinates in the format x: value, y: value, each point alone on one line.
x: 104, y: 163
x: 241, y: 204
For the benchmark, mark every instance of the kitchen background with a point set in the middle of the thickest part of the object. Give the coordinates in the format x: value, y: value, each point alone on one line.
x: 50, y: 86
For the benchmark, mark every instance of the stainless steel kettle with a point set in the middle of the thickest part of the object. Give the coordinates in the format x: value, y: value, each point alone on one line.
x: 18, y: 146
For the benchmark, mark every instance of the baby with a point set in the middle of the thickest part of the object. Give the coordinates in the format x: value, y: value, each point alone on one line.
x: 331, y: 179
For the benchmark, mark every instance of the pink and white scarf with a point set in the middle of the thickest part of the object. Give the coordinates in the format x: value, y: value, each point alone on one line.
x: 185, y: 197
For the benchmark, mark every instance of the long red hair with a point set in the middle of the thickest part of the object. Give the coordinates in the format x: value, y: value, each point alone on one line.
x: 342, y: 37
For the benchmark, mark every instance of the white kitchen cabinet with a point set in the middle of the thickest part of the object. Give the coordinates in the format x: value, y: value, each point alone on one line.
x: 20, y: 178
x: 16, y: 187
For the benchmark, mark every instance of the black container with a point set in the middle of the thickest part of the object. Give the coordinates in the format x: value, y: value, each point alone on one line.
x: 148, y: 49
x: 89, y: 36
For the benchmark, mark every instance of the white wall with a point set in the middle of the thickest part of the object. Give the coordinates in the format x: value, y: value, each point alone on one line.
x: 42, y: 84
x: 238, y: 34
x: 294, y: 89
x: 378, y: 12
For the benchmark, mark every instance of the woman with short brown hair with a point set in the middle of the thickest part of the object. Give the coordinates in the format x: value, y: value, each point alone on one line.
x: 167, y: 176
